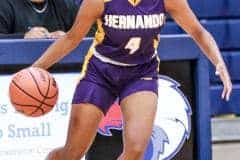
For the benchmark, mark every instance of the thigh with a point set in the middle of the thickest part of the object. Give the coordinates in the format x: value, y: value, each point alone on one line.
x: 138, y: 111
x: 93, y: 88
x: 83, y: 126
x: 93, y: 93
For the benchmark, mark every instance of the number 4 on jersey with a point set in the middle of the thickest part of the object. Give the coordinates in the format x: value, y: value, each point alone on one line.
x: 133, y: 44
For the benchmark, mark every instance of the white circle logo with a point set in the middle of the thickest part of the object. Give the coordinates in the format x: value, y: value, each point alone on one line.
x: 172, y: 124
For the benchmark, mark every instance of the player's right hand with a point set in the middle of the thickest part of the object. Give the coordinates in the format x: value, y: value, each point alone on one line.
x: 222, y: 72
x: 37, y: 32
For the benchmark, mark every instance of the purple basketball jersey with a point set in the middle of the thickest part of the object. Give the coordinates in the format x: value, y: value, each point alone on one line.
x: 128, y: 31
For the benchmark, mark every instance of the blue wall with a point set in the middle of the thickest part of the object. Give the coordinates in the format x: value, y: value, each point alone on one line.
x: 222, y: 19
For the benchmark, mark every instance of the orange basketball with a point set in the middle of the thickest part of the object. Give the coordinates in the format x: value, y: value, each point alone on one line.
x: 33, y: 92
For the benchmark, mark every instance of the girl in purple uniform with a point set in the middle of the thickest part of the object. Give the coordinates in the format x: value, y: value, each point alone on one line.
x: 122, y: 62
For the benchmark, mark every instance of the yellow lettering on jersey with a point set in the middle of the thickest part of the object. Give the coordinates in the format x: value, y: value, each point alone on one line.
x: 134, y: 2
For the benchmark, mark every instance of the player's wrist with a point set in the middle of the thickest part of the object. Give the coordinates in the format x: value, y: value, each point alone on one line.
x: 38, y: 65
x: 220, y: 67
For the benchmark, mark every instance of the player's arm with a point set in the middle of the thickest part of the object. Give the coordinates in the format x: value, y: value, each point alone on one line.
x: 183, y: 15
x: 89, y: 11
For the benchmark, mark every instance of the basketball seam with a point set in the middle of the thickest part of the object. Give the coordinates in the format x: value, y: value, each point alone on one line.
x: 28, y: 105
x: 22, y: 110
x: 44, y: 97
x: 28, y: 94
x: 38, y: 88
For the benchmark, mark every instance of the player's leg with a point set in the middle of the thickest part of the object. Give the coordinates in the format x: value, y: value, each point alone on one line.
x: 90, y: 101
x: 93, y: 97
x: 139, y: 104
x: 138, y: 111
x: 83, y: 126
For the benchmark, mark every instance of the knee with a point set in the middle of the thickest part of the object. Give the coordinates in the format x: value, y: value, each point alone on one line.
x: 72, y: 153
x: 137, y: 142
x: 135, y: 152
x: 136, y: 148
x: 55, y: 154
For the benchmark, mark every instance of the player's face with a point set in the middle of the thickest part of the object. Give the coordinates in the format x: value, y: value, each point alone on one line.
x: 37, y: 1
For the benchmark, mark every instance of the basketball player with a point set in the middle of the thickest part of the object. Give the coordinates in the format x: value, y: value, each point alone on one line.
x: 122, y: 62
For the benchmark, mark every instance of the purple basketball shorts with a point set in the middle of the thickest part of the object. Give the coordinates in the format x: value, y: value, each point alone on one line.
x: 103, y: 83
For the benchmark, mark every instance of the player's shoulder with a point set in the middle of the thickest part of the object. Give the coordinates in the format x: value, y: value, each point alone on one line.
x: 94, y: 1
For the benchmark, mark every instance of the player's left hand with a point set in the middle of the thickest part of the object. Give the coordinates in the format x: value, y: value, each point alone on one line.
x: 222, y: 72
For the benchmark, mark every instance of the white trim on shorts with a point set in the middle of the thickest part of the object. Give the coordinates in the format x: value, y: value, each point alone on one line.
x: 111, y: 61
